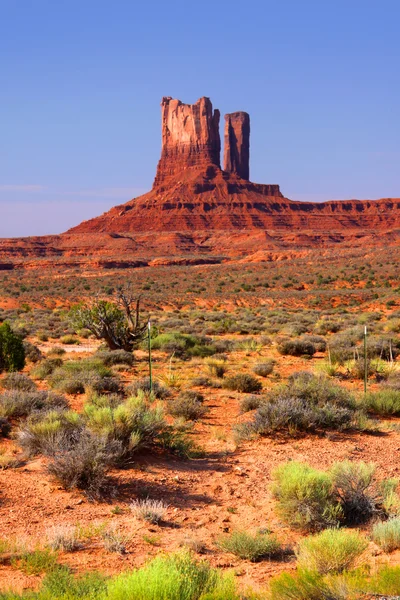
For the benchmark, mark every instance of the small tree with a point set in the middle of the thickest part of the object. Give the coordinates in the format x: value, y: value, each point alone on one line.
x: 117, y: 323
x: 12, y: 351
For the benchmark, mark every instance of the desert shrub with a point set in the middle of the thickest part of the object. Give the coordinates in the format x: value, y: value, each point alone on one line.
x: 265, y: 368
x: 387, y: 534
x: 383, y: 402
x: 173, y: 577
x: 183, y: 345
x: 217, y: 368
x: 56, y: 351
x: 61, y: 584
x: 188, y: 405
x: 393, y: 381
x: 341, y: 348
x: 305, y: 497
x: 47, y: 432
x: 18, y: 381
x: 12, y: 351
x: 84, y: 464
x: 69, y: 339
x: 74, y: 377
x: 353, y: 484
x: 151, y: 511
x: 243, y: 383
x: 115, y: 357
x: 5, y: 427
x: 143, y: 385
x: 331, y: 551
x: 36, y: 562
x: 318, y: 341
x: 114, y: 540
x: 16, y: 403
x: 296, y: 347
x: 306, y: 403
x: 304, y: 585
x: 63, y: 537
x: 250, y: 547
x: 132, y: 425
x: 249, y: 403
x: 201, y: 381
x: 46, y: 368
x: 32, y: 352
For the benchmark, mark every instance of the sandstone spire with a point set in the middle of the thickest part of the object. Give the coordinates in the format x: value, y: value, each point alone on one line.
x: 237, y: 144
x: 190, y: 137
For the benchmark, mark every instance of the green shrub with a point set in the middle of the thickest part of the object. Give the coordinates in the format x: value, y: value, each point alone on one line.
x: 243, y: 383
x: 21, y: 404
x: 76, y: 377
x: 115, y: 357
x: 387, y: 534
x: 173, y: 577
x: 249, y: 403
x: 296, y: 348
x: 353, y: 484
x: 45, y: 433
x: 265, y: 368
x: 188, y: 405
x: 304, y: 585
x: 331, y: 551
x: 69, y: 339
x: 143, y: 385
x: 250, y: 547
x: 132, y: 425
x: 84, y: 464
x: 36, y: 562
x: 305, y: 497
x: 60, y: 584
x: 217, y: 368
x: 12, y: 351
x: 46, y: 368
x: 384, y: 402
x: 183, y: 345
x: 18, y: 381
x: 306, y: 403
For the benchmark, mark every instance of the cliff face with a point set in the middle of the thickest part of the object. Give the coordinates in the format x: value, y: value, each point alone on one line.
x: 190, y: 138
x: 237, y: 144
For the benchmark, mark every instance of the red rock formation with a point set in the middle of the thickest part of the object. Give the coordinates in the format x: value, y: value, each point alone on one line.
x: 190, y: 138
x: 237, y: 144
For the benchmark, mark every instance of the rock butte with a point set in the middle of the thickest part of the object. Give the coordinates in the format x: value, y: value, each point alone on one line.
x: 197, y: 208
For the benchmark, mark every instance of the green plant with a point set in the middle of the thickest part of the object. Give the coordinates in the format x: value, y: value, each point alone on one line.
x: 21, y: 404
x: 36, y: 562
x: 296, y: 348
x: 304, y: 585
x: 383, y: 402
x: 331, y: 551
x: 305, y: 497
x: 265, y: 368
x: 387, y: 534
x: 243, y: 383
x: 12, y: 351
x: 306, y: 403
x: 188, y: 405
x: 18, y: 382
x: 250, y: 547
x: 173, y: 577
x: 353, y: 484
x: 84, y: 464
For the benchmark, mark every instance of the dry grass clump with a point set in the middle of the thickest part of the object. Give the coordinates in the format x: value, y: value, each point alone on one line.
x: 151, y: 511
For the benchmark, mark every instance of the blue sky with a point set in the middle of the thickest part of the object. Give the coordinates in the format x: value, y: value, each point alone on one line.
x: 81, y: 83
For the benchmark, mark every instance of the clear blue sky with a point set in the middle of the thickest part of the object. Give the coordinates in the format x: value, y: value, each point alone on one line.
x: 81, y: 83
